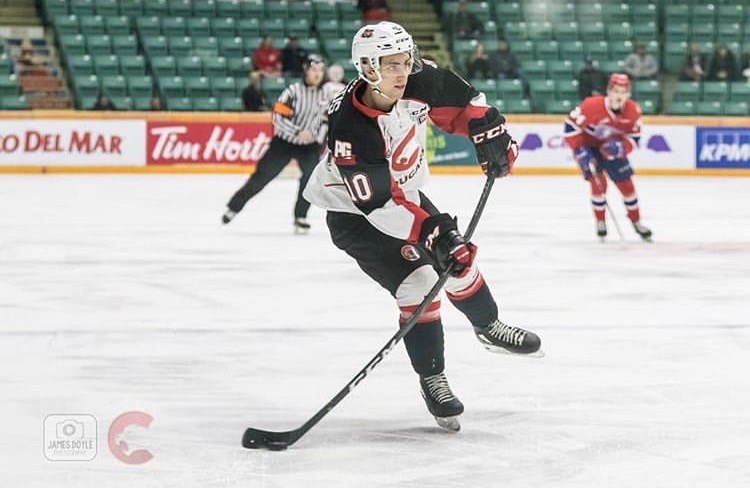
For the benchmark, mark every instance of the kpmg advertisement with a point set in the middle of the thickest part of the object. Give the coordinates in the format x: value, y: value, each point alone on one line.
x: 722, y: 147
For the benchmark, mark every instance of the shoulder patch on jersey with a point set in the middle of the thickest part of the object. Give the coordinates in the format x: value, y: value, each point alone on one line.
x: 342, y: 153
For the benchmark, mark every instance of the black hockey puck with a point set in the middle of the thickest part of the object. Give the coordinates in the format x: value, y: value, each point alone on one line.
x: 277, y: 446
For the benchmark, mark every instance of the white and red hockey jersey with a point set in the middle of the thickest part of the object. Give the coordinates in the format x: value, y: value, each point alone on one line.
x: 375, y: 163
x: 593, y: 123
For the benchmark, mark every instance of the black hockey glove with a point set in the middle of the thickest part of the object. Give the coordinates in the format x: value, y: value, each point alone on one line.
x: 496, y: 150
x: 440, y: 236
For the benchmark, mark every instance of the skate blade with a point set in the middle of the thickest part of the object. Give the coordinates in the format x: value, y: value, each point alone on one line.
x: 449, y: 423
x: 501, y: 350
x: 301, y: 232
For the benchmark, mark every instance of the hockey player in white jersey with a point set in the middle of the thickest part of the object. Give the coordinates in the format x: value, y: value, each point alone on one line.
x: 370, y: 185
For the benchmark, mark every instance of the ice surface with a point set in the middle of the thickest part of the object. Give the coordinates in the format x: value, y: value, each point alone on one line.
x: 123, y: 293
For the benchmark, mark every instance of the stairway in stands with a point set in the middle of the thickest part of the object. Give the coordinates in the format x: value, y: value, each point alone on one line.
x: 420, y: 19
x: 40, y: 78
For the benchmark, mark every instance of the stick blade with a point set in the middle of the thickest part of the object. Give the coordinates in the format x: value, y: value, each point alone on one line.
x: 265, y: 439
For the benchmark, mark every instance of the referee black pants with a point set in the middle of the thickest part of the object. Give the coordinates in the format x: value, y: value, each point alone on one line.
x: 270, y: 165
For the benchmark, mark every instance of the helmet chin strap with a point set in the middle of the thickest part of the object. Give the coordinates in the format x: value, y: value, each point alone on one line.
x: 376, y: 86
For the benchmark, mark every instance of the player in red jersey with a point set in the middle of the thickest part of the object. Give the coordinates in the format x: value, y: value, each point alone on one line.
x: 602, y: 131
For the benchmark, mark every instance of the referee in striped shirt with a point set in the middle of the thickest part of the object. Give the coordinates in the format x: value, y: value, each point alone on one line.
x: 299, y: 126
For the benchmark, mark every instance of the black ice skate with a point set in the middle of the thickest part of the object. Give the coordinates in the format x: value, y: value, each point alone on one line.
x: 642, y: 231
x: 228, y: 216
x: 441, y: 402
x: 301, y: 225
x: 601, y: 229
x: 502, y: 338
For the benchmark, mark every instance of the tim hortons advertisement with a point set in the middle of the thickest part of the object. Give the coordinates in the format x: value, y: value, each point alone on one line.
x: 72, y: 142
x: 206, y: 142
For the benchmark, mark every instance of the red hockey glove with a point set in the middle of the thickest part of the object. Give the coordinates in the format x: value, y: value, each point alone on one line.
x: 586, y: 161
x: 440, y: 236
x: 496, y: 150
x: 612, y: 149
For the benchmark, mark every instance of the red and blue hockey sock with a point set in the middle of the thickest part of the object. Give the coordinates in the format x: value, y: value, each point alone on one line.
x: 629, y: 196
x: 598, y: 195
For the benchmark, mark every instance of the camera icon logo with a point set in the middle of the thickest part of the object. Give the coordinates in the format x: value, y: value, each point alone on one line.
x: 69, y: 429
x: 70, y: 437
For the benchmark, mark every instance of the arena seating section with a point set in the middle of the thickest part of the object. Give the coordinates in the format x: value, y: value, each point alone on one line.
x: 196, y: 53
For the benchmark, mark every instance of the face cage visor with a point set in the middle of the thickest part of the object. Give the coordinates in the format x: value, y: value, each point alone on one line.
x: 365, y: 62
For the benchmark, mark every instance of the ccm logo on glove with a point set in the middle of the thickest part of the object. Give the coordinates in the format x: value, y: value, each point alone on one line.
x: 490, y: 134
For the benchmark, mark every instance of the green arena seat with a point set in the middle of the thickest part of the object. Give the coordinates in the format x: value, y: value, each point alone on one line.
x: 206, y: 46
x: 535, y: 70
x: 561, y: 69
x: 173, y: 26
x: 180, y: 104
x: 645, y: 31
x: 728, y: 32
x: 681, y: 108
x: 117, y: 25
x: 612, y: 66
x: 645, y: 13
x: 224, y: 27
x: 572, y: 51
x: 674, y: 55
x: 205, y: 8
x: 55, y: 8
x: 702, y: 33
x: 558, y: 106
x: 517, y: 106
x: 114, y: 85
x: 229, y: 8
x: 592, y: 31
x: 539, y: 31
x: 616, y: 12
x: 490, y: 30
x: 206, y: 104
x: 566, y: 31
x: 9, y: 85
x: 122, y: 102
x: 547, y: 50
x: 736, y: 108
x: 248, y: 27
x: 91, y: 24
x: 197, y: 86
x: 171, y: 86
x: 156, y: 46
x: 648, y: 107
x: 180, y: 46
x: 14, y: 102
x: 598, y: 50
x: 703, y: 14
x: 739, y: 91
x: 73, y: 45
x: 273, y: 87
x: 106, y: 7
x: 510, y: 89
x: 148, y: 27
x: 190, y: 66
x: 302, y: 10
x: 299, y: 27
x: 82, y: 7
x: 215, y: 67
x: 620, y: 49
x: 140, y: 86
x: 81, y: 64
x: 132, y: 64
x: 231, y: 104
x: 163, y: 66
x: 253, y: 9
x: 142, y: 103
x: 106, y: 65
x: 349, y: 28
x: 646, y: 90
x: 239, y: 67
x: 131, y: 8
x: 348, y: 11
x: 274, y: 27
x: 231, y: 47
x: 516, y: 31
x: 179, y: 8
x: 86, y: 86
x: 224, y: 87
x: 709, y: 108
x: 677, y: 13
x: 726, y: 14
x: 687, y: 91
x: 508, y: 12
x: 125, y: 45
x: 524, y: 50
x: 99, y: 44
x: 541, y: 92
x: 66, y: 25
x: 498, y: 103
x: 310, y: 44
x: 715, y: 91
x: 488, y: 87
x: 618, y: 32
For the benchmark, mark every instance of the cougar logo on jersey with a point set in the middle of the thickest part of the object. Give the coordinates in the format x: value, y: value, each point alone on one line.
x: 409, y: 253
x: 407, y: 152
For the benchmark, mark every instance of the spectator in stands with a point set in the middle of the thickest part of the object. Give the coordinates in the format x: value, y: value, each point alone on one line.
x: 746, y: 66
x: 267, y: 59
x: 694, y: 67
x: 466, y: 25
x: 374, y: 11
x: 103, y: 103
x: 292, y: 57
x: 504, y: 63
x: 477, y: 64
x: 335, y: 81
x: 26, y: 54
x: 253, y: 96
x: 723, y: 65
x: 591, y: 80
x: 641, y: 65
x: 155, y: 103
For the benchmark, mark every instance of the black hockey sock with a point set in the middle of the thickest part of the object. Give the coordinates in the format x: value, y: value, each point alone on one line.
x: 480, y: 308
x: 425, y: 346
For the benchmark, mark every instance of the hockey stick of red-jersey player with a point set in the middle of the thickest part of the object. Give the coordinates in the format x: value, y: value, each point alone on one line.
x: 595, y: 181
x: 278, y: 441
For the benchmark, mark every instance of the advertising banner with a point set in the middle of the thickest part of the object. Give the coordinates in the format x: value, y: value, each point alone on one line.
x: 722, y: 147
x: 72, y: 142
x: 543, y: 146
x: 206, y: 142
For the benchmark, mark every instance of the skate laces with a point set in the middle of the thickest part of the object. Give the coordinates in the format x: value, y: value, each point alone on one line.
x: 506, y: 333
x: 438, y: 387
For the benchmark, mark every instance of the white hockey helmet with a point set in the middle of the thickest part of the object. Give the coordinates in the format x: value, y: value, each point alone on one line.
x: 372, y: 42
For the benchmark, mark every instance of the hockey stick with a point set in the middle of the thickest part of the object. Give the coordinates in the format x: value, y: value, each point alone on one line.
x: 277, y: 441
x: 606, y: 203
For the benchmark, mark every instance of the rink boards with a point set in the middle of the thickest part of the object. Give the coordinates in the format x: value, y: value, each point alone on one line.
x: 144, y: 142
